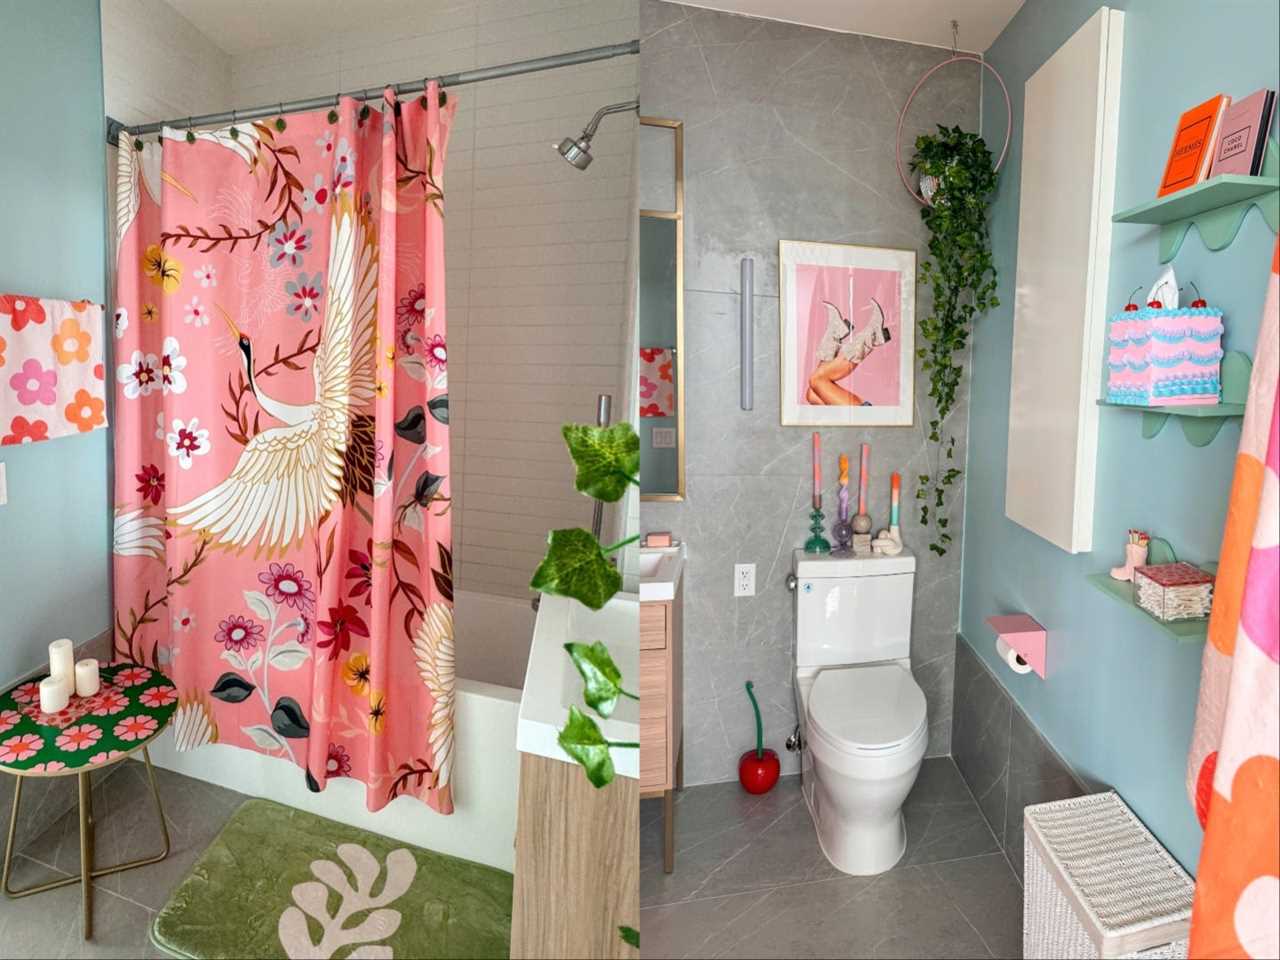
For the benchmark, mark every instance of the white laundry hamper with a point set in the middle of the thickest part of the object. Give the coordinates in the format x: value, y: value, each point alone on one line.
x: 1098, y: 884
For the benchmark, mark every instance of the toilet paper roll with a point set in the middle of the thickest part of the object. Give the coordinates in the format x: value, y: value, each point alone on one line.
x: 1011, y: 658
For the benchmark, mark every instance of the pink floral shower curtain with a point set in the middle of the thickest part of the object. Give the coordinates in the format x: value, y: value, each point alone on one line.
x: 282, y: 530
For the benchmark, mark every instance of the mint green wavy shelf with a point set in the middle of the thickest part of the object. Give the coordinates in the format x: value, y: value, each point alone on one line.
x: 1216, y: 207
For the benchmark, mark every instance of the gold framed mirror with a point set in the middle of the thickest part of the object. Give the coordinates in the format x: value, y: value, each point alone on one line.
x: 661, y: 309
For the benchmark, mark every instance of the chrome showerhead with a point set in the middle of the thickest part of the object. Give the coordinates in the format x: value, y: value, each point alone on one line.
x: 578, y: 150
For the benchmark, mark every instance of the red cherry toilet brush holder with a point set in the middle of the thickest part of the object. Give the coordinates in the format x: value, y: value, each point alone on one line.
x: 758, y: 769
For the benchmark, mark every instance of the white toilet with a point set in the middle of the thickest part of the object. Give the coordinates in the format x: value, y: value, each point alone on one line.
x: 863, y: 723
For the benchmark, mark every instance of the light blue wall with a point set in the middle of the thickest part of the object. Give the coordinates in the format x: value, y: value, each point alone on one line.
x: 54, y: 531
x: 1119, y: 701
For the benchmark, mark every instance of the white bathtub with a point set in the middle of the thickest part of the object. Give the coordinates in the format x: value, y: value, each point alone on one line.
x: 493, y: 639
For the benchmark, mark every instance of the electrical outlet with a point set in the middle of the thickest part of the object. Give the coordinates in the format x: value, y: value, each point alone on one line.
x: 744, y: 579
x: 663, y: 438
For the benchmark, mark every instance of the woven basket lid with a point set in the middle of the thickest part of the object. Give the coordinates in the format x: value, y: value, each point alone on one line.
x: 1126, y: 889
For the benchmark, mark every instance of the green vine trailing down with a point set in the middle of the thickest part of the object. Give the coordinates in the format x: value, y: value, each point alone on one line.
x: 963, y: 278
x: 577, y: 566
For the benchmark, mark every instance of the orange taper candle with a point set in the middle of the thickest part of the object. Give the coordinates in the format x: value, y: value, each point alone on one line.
x: 817, y: 470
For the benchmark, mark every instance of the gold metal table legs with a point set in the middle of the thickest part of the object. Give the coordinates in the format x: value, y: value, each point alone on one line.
x: 87, y: 871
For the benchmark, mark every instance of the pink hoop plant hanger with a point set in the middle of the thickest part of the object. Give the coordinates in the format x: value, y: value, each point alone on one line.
x: 954, y: 58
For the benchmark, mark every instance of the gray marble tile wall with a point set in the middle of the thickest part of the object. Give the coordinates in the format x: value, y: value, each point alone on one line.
x: 1002, y: 756
x: 789, y: 135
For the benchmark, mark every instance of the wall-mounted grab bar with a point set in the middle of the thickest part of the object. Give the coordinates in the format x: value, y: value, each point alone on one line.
x: 746, y: 327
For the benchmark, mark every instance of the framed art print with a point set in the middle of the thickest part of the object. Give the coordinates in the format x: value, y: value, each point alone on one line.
x: 847, y: 334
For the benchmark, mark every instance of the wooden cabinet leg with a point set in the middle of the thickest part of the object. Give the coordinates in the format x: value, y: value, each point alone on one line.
x: 668, y: 831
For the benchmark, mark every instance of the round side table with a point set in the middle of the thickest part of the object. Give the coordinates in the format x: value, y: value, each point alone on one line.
x: 132, y: 707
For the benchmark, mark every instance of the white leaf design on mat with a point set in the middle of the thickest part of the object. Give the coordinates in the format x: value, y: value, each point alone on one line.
x: 433, y: 649
x: 311, y: 899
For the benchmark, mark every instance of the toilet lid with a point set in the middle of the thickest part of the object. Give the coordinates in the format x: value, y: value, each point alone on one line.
x: 871, y: 707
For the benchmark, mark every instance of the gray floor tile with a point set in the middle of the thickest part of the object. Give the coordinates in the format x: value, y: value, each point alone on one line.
x: 127, y: 829
x: 986, y: 892
x: 750, y: 880
x: 950, y: 832
x: 48, y: 924
x: 897, y: 914
x: 693, y: 928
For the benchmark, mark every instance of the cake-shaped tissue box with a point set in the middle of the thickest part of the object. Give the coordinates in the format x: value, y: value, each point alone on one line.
x: 1160, y: 356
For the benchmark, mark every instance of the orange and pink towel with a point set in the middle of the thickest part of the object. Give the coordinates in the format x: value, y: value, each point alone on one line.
x: 1233, y: 771
x: 51, y: 377
x: 657, y: 385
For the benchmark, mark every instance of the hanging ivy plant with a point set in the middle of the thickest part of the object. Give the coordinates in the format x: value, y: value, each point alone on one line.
x: 963, y: 279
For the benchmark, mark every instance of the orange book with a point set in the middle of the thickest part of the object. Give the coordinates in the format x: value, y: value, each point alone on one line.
x: 1192, y: 152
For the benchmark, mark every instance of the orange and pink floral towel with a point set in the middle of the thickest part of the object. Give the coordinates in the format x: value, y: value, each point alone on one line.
x: 1233, y: 771
x: 51, y: 377
x: 657, y: 386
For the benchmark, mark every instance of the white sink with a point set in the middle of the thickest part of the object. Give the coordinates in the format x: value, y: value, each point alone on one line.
x: 552, y: 684
x: 660, y: 571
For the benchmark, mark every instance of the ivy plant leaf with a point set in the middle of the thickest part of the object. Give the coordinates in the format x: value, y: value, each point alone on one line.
x: 581, y: 739
x: 576, y: 567
x: 607, y: 458
x: 630, y: 935
x: 231, y: 688
x: 600, y: 675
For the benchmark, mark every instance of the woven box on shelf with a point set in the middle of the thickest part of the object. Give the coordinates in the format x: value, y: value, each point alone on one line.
x: 1173, y: 591
x: 1098, y: 884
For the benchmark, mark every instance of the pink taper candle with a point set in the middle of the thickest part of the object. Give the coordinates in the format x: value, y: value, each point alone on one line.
x: 862, y: 479
x: 817, y: 470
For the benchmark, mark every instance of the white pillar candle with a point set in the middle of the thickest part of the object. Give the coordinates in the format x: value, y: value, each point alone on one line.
x: 54, y: 695
x: 86, y: 678
x: 62, y: 663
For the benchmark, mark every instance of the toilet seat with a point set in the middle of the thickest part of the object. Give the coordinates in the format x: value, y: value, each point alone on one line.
x: 870, y: 710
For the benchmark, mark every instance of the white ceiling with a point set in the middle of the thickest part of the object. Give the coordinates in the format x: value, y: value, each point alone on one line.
x: 239, y: 26
x: 915, y: 21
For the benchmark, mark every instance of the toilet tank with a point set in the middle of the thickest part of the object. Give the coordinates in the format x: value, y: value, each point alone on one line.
x: 852, y: 609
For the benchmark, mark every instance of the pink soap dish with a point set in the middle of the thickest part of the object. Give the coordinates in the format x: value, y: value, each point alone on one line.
x: 1025, y: 636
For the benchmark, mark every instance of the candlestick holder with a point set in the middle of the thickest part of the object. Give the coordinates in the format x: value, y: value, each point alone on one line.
x: 816, y: 543
x: 842, y: 530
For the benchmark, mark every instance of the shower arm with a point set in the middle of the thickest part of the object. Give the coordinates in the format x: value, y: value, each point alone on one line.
x: 589, y: 130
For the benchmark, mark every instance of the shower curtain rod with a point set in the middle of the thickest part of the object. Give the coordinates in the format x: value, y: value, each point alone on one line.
x: 589, y: 55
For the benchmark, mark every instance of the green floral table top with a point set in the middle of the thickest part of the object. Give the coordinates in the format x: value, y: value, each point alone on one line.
x: 130, y: 708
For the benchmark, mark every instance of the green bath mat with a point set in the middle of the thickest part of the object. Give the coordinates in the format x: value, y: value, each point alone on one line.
x: 278, y: 882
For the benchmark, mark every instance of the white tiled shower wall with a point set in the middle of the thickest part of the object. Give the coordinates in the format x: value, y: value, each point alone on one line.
x: 536, y: 252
